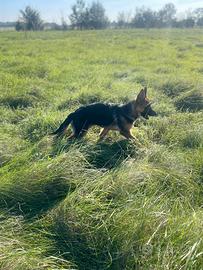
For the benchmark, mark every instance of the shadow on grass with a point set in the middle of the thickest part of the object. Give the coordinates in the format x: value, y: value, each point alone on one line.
x: 73, y: 246
x: 105, y: 154
x: 31, y: 202
x: 111, y: 155
x: 33, y: 192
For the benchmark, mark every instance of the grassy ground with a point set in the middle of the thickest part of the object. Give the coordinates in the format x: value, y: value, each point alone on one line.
x: 111, y: 205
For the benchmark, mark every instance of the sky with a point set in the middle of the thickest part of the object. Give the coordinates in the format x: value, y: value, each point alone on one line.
x: 53, y: 10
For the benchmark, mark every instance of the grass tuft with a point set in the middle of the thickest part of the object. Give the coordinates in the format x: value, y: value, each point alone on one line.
x: 190, y: 101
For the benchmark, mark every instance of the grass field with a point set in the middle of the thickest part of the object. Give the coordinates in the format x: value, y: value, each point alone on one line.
x: 116, y: 204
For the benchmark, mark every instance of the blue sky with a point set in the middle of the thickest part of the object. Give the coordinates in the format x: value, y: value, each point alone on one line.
x: 53, y: 10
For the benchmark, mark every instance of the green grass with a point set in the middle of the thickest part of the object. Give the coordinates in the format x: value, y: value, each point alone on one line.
x: 114, y: 204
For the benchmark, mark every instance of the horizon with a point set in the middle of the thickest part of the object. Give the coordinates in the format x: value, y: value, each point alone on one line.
x: 51, y: 11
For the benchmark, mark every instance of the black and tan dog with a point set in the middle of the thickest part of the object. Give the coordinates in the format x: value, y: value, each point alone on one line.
x: 108, y: 116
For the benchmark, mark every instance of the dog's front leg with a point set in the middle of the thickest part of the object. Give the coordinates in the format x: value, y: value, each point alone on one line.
x: 103, y: 133
x: 127, y: 134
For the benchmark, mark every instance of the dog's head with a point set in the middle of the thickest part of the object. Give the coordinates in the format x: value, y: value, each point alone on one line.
x: 143, y: 105
x: 148, y: 111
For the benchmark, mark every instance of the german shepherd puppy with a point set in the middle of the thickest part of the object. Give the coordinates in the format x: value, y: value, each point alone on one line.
x: 108, y: 116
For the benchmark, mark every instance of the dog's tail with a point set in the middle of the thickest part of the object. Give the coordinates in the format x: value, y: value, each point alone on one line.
x: 64, y: 125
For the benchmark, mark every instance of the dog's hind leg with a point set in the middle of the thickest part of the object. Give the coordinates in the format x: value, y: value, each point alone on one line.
x: 79, y: 129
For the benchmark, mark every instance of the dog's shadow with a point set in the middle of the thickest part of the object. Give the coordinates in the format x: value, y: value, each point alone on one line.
x: 111, y: 155
x: 101, y: 155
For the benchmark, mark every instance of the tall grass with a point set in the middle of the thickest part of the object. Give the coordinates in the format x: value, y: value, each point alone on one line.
x: 114, y: 204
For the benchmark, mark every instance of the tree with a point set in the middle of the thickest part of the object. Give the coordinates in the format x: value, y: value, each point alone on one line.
x: 97, y: 17
x: 83, y: 17
x: 123, y: 20
x: 30, y: 19
x: 144, y: 18
x: 186, y: 23
x: 200, y: 22
x: 19, y: 26
x: 79, y: 16
x: 166, y: 15
x: 198, y: 13
x: 64, y: 25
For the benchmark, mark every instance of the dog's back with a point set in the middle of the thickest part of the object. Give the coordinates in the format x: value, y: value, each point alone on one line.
x: 101, y: 114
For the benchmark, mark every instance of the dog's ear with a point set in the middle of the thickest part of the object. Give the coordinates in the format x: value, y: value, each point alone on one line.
x: 142, y: 94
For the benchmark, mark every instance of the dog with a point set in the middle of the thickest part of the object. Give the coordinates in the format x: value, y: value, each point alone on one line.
x: 108, y: 116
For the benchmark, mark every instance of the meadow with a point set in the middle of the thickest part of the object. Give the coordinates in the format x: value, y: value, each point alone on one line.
x: 114, y: 204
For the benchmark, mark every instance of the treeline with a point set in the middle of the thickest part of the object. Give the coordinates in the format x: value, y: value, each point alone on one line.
x: 94, y: 16
x: 165, y: 17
